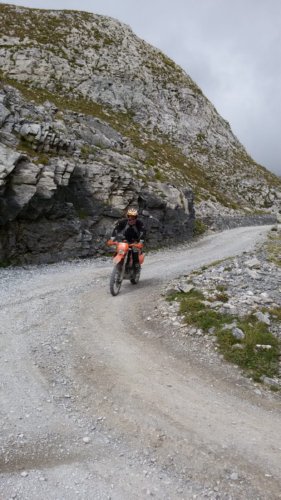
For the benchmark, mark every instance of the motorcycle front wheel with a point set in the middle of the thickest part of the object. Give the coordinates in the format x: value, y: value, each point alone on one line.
x: 135, y: 279
x: 115, y: 280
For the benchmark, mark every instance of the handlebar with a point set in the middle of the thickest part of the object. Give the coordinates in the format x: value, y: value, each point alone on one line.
x: 131, y: 245
x: 136, y: 245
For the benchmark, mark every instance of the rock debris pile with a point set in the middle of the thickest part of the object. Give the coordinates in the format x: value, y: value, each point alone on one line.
x: 251, y: 284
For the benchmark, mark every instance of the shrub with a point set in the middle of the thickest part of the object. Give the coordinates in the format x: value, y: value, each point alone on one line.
x: 199, y: 227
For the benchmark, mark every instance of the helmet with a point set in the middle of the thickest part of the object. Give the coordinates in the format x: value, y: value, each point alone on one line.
x: 132, y: 212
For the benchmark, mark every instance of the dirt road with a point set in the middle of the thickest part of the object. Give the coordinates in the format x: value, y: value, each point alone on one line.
x: 99, y: 402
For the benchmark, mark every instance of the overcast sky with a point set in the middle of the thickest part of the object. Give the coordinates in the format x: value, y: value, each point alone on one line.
x: 231, y: 48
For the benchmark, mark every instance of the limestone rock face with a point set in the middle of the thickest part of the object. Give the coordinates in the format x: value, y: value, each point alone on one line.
x: 94, y: 119
x: 61, y: 198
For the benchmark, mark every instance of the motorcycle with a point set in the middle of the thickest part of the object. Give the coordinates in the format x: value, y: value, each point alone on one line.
x: 123, y: 264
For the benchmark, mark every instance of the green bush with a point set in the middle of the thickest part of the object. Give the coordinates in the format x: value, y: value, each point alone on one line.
x: 199, y: 227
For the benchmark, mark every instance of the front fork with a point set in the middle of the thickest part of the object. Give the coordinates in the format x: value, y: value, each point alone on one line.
x: 124, y: 267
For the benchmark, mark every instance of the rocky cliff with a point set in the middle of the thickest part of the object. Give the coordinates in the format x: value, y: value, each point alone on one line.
x: 93, y: 119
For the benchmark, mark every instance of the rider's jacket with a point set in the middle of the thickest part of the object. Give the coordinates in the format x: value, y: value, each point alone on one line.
x: 132, y: 233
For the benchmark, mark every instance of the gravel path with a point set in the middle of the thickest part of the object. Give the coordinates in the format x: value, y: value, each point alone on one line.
x: 99, y: 401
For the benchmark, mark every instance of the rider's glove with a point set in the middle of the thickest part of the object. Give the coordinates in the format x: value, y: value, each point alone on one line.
x: 112, y: 238
x: 142, y: 241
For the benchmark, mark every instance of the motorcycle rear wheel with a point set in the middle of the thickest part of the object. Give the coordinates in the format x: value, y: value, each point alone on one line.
x: 115, y: 281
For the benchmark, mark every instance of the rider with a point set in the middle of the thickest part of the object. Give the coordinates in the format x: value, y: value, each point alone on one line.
x: 132, y: 229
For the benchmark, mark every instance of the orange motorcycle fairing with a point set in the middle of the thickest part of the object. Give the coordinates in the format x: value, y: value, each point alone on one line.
x: 117, y: 258
x: 121, y: 251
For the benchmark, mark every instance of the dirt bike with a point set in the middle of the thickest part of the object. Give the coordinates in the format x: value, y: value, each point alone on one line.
x: 123, y: 264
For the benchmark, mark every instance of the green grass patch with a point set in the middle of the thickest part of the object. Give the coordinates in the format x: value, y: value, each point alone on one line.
x: 37, y: 157
x: 275, y: 313
x: 82, y: 214
x: 255, y: 361
x: 222, y: 297
x: 196, y: 313
x: 199, y: 227
x: 87, y: 150
x: 5, y: 263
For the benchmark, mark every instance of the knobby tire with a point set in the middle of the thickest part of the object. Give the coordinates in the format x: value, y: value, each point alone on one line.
x: 115, y: 282
x: 136, y: 278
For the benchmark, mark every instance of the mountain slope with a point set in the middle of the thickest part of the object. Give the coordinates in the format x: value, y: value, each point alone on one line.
x: 94, y: 91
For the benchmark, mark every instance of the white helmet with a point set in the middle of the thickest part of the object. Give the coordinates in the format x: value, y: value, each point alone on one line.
x: 132, y: 212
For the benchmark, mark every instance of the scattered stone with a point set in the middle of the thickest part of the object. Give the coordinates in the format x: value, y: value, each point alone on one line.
x: 253, y: 263
x: 229, y: 326
x: 263, y: 317
x: 238, y: 346
x: 271, y: 381
x: 253, y: 274
x: 238, y: 333
x: 185, y: 288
